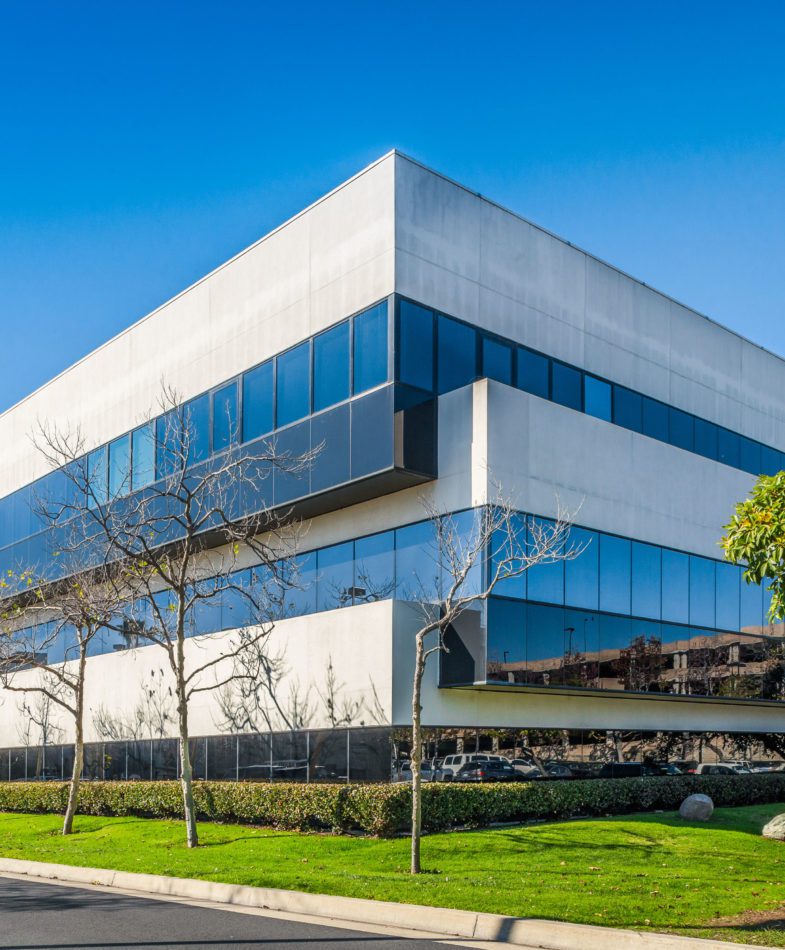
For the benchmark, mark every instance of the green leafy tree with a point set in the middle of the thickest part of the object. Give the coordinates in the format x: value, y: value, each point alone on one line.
x: 755, y: 537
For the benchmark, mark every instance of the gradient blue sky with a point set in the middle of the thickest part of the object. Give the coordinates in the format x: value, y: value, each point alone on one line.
x: 142, y: 144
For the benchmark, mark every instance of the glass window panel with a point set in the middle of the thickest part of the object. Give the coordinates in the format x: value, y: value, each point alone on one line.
x: 627, y: 409
x: 225, y: 428
x: 545, y: 581
x: 581, y: 575
x: 497, y: 360
x: 646, y: 580
x: 258, y: 418
x: 196, y: 418
x: 457, y: 362
x: 750, y: 455
x: 97, y: 477
x: 728, y: 596
x: 506, y: 654
x: 370, y: 348
x: 533, y: 373
x: 293, y: 384
x: 544, y: 644
x: 675, y: 586
x: 416, y: 563
x: 769, y: 461
x: 143, y: 456
x: 507, y: 546
x: 702, y: 592
x: 415, y: 346
x: 299, y: 593
x: 372, y: 442
x: 706, y: 436
x: 374, y: 572
x: 330, y: 430
x: 655, y: 419
x: 682, y: 429
x: 331, y: 367
x: 597, y: 398
x: 567, y: 386
x: 290, y: 482
x: 728, y: 447
x: 767, y: 599
x: 615, y: 574
x: 120, y: 466
x: 463, y: 529
x: 751, y: 605
x: 335, y: 576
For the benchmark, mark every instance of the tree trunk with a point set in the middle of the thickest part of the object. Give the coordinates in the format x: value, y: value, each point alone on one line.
x: 186, y: 772
x: 76, y: 774
x: 419, y: 669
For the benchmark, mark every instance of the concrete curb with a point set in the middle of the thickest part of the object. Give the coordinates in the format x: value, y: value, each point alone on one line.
x: 439, y: 922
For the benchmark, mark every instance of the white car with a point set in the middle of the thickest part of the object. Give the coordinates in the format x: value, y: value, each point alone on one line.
x: 452, y: 763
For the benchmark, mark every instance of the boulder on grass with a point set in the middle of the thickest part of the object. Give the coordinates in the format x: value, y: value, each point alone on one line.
x: 775, y: 828
x: 697, y: 808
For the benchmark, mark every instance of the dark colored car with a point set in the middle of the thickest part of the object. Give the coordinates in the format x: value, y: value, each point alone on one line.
x: 624, y: 770
x: 490, y: 771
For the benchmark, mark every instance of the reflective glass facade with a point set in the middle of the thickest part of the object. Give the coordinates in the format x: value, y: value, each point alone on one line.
x: 623, y: 615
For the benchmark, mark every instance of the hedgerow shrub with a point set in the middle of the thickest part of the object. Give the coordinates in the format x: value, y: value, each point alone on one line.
x: 384, y: 809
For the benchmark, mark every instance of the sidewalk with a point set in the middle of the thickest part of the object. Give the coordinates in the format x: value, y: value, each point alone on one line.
x: 415, y: 920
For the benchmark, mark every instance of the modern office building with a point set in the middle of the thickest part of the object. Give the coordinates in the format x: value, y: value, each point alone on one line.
x: 437, y: 346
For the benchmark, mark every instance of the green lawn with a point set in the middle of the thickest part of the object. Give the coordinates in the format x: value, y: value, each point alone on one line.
x: 647, y: 871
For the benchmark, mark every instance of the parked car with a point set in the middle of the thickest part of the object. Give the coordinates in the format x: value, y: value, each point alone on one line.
x: 489, y: 770
x: 715, y: 768
x: 557, y: 770
x: 405, y: 771
x: 526, y: 768
x: 624, y: 770
x: 453, y: 763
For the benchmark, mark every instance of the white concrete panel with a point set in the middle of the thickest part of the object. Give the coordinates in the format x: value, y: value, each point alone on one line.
x: 616, y: 480
x: 355, y: 642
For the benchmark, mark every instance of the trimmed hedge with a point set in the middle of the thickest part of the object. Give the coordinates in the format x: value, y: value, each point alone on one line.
x: 384, y: 809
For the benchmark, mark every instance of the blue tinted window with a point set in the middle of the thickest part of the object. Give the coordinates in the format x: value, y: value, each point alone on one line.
x: 615, y: 580
x: 293, y: 384
x: 300, y: 588
x: 655, y: 419
x: 508, y: 546
x: 374, y: 571
x: 581, y: 575
x: 225, y: 417
x: 533, y: 373
x: 702, y: 592
x: 751, y: 605
x: 97, y: 476
x: 331, y: 367
x: 749, y: 453
x: 120, y: 466
x: 143, y: 456
x: 646, y: 580
x: 682, y: 429
x: 416, y: 563
x: 415, y: 346
x: 545, y: 635
x: 675, y: 586
x: 706, y: 434
x: 769, y: 461
x: 728, y: 447
x: 497, y: 360
x: 728, y: 596
x: 197, y: 419
x: 597, y: 398
x: 258, y: 402
x: 627, y: 409
x: 506, y: 638
x: 457, y: 354
x: 335, y: 576
x: 545, y: 581
x: 370, y: 348
x: 567, y: 386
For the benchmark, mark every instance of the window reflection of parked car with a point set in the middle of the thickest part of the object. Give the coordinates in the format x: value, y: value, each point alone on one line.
x: 490, y: 770
x: 526, y: 768
x: 715, y: 768
x: 405, y: 771
x: 452, y: 763
x: 557, y: 770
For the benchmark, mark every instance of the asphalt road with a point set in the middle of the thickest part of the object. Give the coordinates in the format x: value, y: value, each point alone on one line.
x: 36, y: 916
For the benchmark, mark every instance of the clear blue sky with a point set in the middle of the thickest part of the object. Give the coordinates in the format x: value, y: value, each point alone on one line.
x: 142, y: 144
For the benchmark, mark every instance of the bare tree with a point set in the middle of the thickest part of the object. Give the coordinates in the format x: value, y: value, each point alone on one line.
x: 468, y: 562
x: 49, y: 628
x: 178, y: 546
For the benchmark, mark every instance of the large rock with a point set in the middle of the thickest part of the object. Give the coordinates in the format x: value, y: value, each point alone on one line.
x: 775, y: 828
x: 697, y: 808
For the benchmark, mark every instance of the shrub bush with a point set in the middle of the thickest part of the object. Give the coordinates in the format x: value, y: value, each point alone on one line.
x: 384, y: 809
